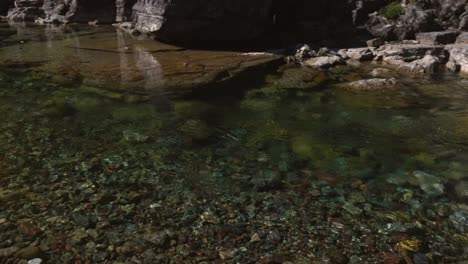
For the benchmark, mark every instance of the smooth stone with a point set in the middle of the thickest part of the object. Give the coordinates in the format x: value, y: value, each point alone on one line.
x: 35, y: 261
x: 430, y: 184
x: 28, y: 252
x: 376, y: 84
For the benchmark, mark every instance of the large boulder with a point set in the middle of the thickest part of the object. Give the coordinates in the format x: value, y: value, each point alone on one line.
x: 202, y: 21
x: 437, y: 38
x: 458, y: 59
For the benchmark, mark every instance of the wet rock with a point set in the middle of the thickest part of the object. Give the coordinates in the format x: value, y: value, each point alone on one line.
x: 428, y: 64
x: 437, y: 38
x: 28, y: 252
x: 376, y: 84
x: 430, y: 184
x: 325, y: 62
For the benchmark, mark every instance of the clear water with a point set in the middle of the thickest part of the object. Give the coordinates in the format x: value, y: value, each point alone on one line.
x: 318, y: 173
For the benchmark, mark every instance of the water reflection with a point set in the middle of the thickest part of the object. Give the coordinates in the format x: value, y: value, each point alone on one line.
x: 111, y: 59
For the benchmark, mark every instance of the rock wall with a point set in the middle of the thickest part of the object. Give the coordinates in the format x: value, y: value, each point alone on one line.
x: 227, y: 21
x: 202, y: 20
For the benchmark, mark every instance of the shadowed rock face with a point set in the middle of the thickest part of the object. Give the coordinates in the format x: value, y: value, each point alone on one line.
x: 5, y: 5
x: 202, y: 20
x: 229, y: 23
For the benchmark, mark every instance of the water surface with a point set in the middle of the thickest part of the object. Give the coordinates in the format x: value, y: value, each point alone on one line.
x: 101, y: 161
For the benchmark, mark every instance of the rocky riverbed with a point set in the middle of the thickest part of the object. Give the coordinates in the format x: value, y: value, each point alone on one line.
x: 103, y: 161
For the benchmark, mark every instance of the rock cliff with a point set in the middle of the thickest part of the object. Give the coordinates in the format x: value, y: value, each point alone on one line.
x: 212, y: 21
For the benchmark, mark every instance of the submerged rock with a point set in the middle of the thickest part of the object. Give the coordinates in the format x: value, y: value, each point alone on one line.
x: 430, y: 184
x: 301, y: 78
x: 376, y: 84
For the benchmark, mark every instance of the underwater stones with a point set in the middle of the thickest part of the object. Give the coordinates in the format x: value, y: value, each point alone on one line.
x: 28, y: 228
x: 187, y: 108
x: 301, y: 78
x: 196, y: 129
x: 9, y: 251
x: 318, y: 153
x: 459, y: 219
x: 373, y: 85
x: 461, y: 190
x: 259, y: 104
x: 133, y: 113
x: 209, y: 217
x: 430, y: 184
x: 382, y: 73
x: 132, y: 136
x: 158, y: 239
x: 85, y: 104
x: 29, y: 252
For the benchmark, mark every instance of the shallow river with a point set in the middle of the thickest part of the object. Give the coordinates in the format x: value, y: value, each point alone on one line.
x: 119, y: 150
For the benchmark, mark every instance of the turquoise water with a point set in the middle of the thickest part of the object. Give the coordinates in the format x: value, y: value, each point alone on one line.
x: 288, y: 166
